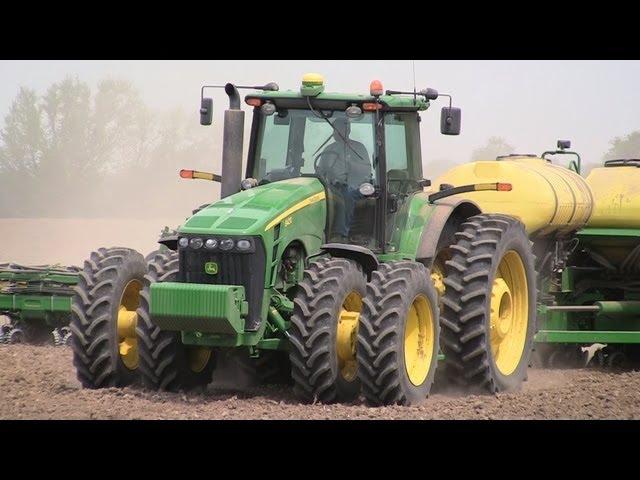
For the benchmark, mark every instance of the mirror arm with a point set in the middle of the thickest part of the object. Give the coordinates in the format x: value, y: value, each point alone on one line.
x: 446, y: 95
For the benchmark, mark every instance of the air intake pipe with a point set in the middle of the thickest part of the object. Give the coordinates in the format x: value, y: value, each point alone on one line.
x: 232, y: 143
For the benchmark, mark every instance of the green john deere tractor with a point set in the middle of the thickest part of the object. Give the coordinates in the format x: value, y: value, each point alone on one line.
x: 327, y: 261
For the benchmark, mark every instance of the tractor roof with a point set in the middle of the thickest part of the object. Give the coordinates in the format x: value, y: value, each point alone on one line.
x: 287, y: 98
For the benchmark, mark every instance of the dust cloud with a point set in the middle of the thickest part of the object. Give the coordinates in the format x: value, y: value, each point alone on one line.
x: 68, y: 241
x: 90, y: 150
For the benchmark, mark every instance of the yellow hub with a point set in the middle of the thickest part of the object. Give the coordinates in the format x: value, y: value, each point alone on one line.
x: 198, y: 358
x: 126, y: 324
x: 347, y: 334
x: 509, y: 313
x: 419, y: 338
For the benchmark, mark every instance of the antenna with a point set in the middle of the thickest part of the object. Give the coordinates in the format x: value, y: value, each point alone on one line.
x: 413, y: 66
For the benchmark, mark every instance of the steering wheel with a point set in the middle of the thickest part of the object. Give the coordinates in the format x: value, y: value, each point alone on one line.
x: 317, y: 160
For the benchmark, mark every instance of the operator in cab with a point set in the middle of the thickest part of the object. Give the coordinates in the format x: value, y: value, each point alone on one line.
x: 345, y: 165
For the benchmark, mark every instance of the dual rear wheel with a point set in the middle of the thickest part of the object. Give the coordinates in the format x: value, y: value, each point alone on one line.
x: 488, y: 312
x: 347, y: 334
x: 398, y: 340
x: 477, y: 306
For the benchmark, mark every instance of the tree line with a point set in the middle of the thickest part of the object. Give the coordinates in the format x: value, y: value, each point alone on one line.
x: 72, y: 152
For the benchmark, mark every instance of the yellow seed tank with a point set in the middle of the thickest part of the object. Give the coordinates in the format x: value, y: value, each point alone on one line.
x: 545, y: 197
x: 616, y: 190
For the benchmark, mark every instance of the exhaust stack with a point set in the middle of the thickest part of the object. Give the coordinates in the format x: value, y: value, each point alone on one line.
x: 232, y: 142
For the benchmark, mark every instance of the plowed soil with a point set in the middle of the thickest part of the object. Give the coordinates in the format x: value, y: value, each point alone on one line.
x: 38, y: 382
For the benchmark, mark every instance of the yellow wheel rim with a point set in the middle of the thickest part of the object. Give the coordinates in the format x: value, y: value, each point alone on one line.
x: 509, y: 316
x: 198, y: 358
x: 126, y: 324
x: 347, y: 334
x: 419, y: 338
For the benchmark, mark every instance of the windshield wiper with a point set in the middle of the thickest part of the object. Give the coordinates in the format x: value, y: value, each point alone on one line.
x: 323, y: 144
x: 320, y: 115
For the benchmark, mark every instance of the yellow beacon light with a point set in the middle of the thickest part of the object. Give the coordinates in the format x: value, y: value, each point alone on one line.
x: 312, y: 84
x: 312, y: 79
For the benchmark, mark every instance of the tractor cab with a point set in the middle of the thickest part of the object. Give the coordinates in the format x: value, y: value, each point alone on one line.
x: 365, y: 149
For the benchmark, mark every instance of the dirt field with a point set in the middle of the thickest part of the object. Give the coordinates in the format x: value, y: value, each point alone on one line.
x: 38, y: 382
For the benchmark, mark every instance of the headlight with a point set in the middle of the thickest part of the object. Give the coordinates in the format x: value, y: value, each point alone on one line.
x: 226, y: 244
x: 195, y: 243
x: 183, y: 242
x: 243, y: 245
x: 211, y: 243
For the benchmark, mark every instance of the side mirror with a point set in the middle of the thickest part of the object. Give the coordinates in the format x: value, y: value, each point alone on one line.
x: 450, y: 119
x: 206, y: 111
x: 563, y: 144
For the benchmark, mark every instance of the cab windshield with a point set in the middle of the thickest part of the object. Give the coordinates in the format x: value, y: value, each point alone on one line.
x: 339, y: 150
x: 291, y: 143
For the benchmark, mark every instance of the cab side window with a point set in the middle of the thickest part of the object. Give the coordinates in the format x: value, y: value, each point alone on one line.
x: 402, y: 151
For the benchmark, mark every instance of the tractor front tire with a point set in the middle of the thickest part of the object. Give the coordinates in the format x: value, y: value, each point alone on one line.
x: 323, y: 331
x: 398, y: 340
x: 107, y: 294
x: 488, y: 316
x: 165, y: 362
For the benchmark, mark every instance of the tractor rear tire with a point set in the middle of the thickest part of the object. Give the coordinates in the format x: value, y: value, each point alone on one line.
x: 488, y: 314
x: 398, y: 340
x: 323, y: 331
x: 165, y: 362
x: 110, y: 280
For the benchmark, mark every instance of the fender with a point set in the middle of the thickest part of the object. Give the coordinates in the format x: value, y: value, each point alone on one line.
x: 362, y: 255
x: 446, y: 216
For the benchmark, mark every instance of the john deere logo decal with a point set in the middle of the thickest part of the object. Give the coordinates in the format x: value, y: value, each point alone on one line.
x: 211, y: 268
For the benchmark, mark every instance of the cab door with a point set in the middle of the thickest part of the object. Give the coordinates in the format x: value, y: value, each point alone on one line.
x: 403, y: 168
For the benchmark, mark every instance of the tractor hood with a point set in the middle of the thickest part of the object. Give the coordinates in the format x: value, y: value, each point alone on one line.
x: 253, y: 211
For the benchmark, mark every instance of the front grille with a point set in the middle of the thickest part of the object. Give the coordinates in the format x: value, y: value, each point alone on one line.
x: 234, y: 268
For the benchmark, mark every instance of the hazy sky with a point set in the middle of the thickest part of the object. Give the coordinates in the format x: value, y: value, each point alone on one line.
x: 530, y: 103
